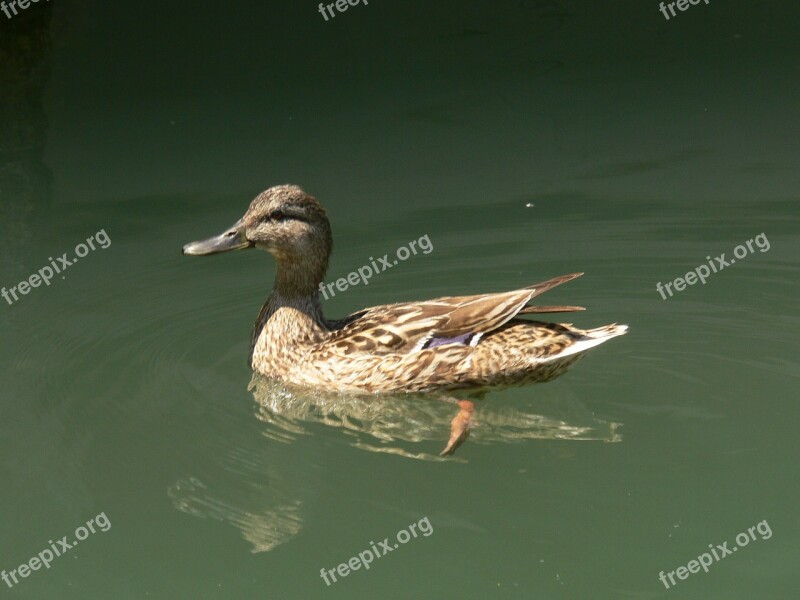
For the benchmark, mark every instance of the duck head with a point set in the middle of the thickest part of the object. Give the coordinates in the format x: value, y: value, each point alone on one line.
x: 289, y: 224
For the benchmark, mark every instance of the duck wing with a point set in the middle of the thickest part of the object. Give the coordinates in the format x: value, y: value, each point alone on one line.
x: 414, y: 326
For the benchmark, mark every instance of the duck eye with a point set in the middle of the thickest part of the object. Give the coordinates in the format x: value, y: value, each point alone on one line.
x: 276, y: 216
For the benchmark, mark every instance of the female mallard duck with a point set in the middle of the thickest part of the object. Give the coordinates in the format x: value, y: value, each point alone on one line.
x: 440, y: 345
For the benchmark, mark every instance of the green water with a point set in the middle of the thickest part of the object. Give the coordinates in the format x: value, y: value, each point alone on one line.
x: 526, y: 140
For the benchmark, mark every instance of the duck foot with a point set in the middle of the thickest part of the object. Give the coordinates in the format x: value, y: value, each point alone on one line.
x: 459, y: 427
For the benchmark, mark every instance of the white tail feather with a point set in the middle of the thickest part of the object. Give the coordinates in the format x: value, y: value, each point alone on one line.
x: 592, y: 338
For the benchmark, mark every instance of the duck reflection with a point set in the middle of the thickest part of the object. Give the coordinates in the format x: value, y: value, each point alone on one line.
x: 248, y: 486
x: 401, y: 424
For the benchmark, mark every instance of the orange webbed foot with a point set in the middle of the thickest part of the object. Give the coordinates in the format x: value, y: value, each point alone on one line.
x: 459, y: 427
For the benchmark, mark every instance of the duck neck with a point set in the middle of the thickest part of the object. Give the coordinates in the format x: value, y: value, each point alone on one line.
x: 295, y: 279
x: 292, y: 315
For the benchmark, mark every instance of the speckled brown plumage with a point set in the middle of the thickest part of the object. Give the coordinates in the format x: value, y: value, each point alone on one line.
x: 450, y: 343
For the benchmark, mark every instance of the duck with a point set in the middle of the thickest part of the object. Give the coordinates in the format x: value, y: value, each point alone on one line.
x: 454, y: 347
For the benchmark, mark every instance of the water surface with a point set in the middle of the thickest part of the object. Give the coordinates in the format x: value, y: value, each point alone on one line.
x: 526, y: 141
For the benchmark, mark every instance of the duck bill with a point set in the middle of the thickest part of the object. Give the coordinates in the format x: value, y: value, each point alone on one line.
x: 233, y: 239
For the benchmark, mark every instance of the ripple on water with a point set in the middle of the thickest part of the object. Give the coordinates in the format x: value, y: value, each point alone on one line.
x: 135, y: 331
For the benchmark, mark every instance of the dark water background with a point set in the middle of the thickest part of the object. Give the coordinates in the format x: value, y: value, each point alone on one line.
x: 527, y: 139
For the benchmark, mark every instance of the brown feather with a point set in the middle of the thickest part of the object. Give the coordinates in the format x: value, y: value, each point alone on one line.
x: 549, y: 309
